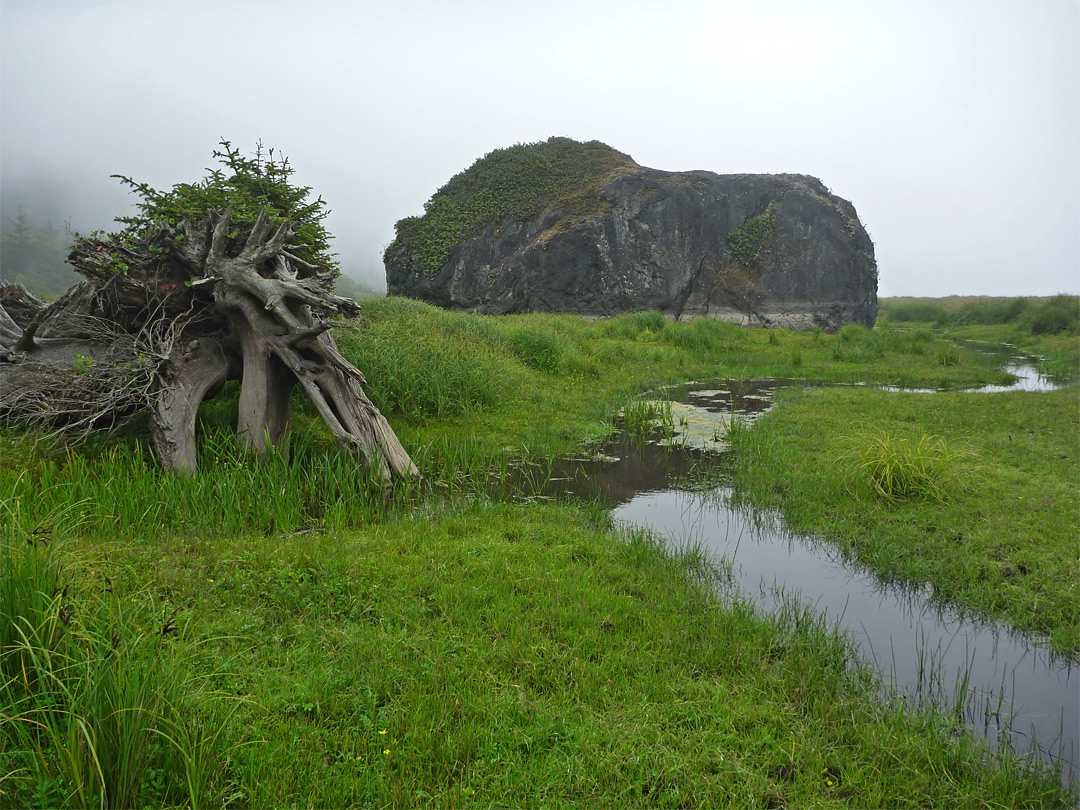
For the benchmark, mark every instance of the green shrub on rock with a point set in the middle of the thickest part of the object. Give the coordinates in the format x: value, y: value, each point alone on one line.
x: 518, y: 182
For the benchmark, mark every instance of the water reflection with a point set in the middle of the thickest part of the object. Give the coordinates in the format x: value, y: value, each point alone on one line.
x: 1011, y: 690
x: 1024, y: 369
x: 926, y: 652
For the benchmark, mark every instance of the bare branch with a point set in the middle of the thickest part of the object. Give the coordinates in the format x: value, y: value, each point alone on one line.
x: 301, y: 262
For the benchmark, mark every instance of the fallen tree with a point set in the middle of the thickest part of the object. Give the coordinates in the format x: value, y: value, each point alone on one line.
x: 229, y: 278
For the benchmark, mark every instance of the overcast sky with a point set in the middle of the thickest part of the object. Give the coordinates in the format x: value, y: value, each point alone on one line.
x: 953, y: 127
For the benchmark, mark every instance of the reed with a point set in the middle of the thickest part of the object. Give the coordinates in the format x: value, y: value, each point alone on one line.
x: 647, y: 416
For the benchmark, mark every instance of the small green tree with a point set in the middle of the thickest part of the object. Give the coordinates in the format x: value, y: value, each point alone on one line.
x: 15, y: 244
x: 227, y: 278
x: 247, y: 187
x: 48, y: 272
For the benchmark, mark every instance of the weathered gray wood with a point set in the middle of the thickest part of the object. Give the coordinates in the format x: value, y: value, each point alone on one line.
x: 211, y: 315
x: 185, y: 382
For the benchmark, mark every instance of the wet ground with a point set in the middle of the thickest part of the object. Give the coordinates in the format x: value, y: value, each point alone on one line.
x: 1011, y: 690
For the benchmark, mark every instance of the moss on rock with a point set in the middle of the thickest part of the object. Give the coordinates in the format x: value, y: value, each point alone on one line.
x: 518, y: 182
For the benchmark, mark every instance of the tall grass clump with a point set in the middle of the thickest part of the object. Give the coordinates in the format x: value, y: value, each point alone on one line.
x: 641, y: 417
x: 420, y: 362
x: 869, y: 346
x: 992, y: 312
x: 539, y: 346
x: 99, y: 703
x: 122, y: 492
x: 634, y: 324
x: 850, y: 333
x: 705, y: 335
x: 914, y: 312
x: 31, y: 607
x: 903, y: 467
x: 915, y: 341
x: 947, y: 355
x: 1056, y: 315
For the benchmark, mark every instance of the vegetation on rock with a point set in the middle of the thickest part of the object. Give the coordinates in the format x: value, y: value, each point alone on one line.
x: 747, y: 243
x: 518, y: 182
x: 246, y: 186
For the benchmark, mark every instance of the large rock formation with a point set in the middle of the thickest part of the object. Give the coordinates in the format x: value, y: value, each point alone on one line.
x: 771, y: 250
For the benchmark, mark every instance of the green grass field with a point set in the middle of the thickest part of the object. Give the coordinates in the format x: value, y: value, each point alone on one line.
x: 274, y: 633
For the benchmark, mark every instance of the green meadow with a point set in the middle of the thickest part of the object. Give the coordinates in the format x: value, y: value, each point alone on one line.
x: 277, y: 632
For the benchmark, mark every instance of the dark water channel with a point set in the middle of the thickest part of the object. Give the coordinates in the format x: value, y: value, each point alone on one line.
x: 1011, y: 689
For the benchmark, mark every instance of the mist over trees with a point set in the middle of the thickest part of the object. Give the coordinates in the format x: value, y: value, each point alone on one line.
x: 34, y: 255
x: 34, y: 251
x: 351, y: 288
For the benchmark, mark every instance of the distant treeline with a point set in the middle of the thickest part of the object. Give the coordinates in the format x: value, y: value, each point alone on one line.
x: 35, y: 256
x: 1049, y: 316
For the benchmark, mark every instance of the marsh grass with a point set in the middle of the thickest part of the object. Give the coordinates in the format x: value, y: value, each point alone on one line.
x: 1000, y: 543
x: 948, y: 355
x: 101, y: 706
x: 463, y: 397
x: 643, y: 416
x: 540, y: 346
x: 899, y: 467
x: 422, y: 363
x: 477, y: 653
x: 511, y: 653
x: 1059, y: 314
x: 121, y: 492
x: 635, y: 324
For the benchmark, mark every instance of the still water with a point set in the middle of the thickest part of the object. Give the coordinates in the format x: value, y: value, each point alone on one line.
x: 1012, y: 690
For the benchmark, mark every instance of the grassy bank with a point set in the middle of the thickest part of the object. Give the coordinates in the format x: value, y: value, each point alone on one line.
x: 454, y: 374
x: 989, y: 518
x: 441, y: 649
x: 465, y: 394
x: 515, y: 656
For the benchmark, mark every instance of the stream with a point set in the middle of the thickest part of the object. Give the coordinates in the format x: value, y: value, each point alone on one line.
x: 1009, y: 689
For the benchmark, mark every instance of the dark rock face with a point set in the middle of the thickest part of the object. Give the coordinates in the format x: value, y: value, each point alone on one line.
x: 669, y: 242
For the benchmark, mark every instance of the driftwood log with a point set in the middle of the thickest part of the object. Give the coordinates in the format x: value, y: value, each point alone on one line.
x: 161, y: 326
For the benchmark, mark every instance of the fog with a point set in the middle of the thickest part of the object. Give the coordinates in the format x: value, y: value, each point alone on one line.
x: 953, y: 127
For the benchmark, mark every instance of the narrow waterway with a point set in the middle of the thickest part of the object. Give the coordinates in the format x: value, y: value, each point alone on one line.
x: 1010, y: 689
